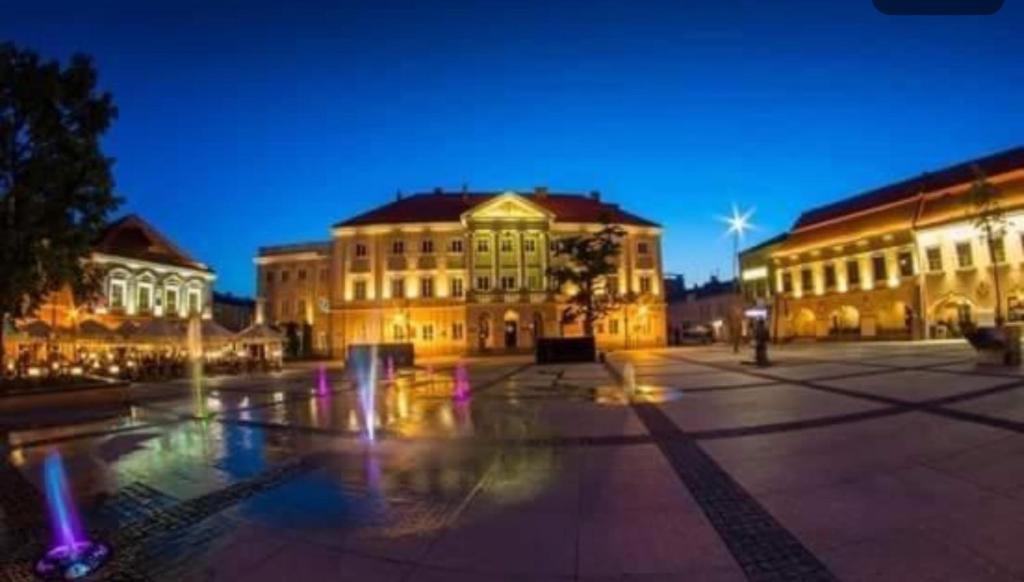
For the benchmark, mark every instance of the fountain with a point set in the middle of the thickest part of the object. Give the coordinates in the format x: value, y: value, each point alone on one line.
x: 460, y: 392
x: 72, y: 556
x: 391, y: 369
x: 629, y: 380
x: 367, y: 379
x: 194, y: 347
x: 321, y: 381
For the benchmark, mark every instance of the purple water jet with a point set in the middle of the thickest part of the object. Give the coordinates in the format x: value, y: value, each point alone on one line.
x: 72, y: 556
x: 460, y: 392
x: 391, y: 370
x: 321, y: 381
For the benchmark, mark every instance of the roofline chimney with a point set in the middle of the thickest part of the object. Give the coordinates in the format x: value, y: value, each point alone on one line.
x: 540, y: 191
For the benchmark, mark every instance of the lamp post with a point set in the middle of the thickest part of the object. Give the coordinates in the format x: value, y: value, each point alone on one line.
x: 738, y: 224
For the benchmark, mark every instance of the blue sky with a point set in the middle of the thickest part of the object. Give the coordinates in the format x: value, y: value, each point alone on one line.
x: 256, y: 123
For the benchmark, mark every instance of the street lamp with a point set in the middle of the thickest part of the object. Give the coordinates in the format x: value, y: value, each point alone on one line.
x: 739, y: 223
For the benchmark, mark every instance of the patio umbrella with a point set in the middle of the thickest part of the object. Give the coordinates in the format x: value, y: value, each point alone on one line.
x: 215, y: 333
x: 260, y: 333
x: 159, y: 330
x: 37, y: 329
x: 94, y: 330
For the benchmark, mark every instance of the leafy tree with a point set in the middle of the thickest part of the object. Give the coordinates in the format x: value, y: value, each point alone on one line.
x: 990, y: 220
x: 56, y: 187
x: 582, y: 264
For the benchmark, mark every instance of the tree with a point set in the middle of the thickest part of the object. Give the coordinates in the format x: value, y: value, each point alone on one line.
x: 586, y: 263
x: 990, y: 220
x: 56, y: 187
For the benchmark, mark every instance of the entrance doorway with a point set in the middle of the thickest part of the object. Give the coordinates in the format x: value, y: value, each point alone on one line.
x: 511, y: 333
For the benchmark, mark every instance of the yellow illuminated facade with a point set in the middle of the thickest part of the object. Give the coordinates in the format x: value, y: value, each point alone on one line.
x: 469, y: 277
x: 905, y: 261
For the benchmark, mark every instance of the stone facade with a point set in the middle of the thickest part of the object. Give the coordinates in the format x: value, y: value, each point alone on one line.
x: 458, y: 273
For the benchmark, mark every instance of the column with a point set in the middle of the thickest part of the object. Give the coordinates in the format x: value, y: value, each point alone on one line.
x: 495, y: 257
x: 522, y: 261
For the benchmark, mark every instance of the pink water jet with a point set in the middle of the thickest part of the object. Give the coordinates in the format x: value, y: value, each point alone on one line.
x: 391, y: 369
x: 460, y: 392
x: 321, y: 385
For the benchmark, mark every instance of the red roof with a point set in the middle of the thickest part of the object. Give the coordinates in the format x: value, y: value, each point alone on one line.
x: 992, y: 165
x: 449, y: 207
x: 134, y: 238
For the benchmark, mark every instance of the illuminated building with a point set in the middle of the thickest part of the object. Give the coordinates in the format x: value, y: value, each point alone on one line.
x: 458, y: 272
x: 902, y: 261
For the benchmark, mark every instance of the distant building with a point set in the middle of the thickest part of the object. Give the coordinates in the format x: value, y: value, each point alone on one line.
x: 710, y: 305
x: 458, y: 272
x: 234, y: 313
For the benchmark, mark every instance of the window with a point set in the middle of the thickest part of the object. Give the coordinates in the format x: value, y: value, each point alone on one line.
x: 878, y: 268
x: 193, y: 301
x: 286, y: 308
x: 117, y: 294
x: 145, y: 300
x: 398, y: 247
x: 645, y: 284
x: 830, y: 276
x: 359, y: 290
x: 427, y: 247
x: 483, y: 245
x: 787, y: 282
x: 398, y: 288
x: 852, y: 273
x: 455, y: 246
x: 934, y: 256
x: 906, y: 264
x: 427, y: 287
x: 398, y: 331
x: 285, y: 275
x: 642, y: 248
x: 360, y: 250
x: 457, y: 331
x: 613, y: 326
x: 428, y: 332
x: 457, y: 290
x: 300, y: 310
x: 170, y: 301
x: 806, y: 281
x: 302, y: 274
x: 508, y: 283
x: 529, y: 245
x: 506, y: 245
x: 270, y: 277
x: 532, y: 282
x: 964, y: 255
x: 999, y: 251
x: 483, y: 283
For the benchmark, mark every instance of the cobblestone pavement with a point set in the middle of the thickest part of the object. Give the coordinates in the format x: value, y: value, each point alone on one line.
x: 870, y: 461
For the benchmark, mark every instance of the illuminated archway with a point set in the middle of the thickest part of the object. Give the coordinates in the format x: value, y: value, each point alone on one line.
x: 803, y: 323
x: 844, y: 320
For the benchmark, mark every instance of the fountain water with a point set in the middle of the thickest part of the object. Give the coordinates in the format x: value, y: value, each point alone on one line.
x: 391, y: 370
x: 366, y: 375
x: 460, y: 392
x: 629, y: 380
x: 72, y: 556
x: 194, y: 347
x: 321, y: 381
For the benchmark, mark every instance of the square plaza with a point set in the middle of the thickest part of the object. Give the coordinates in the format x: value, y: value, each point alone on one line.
x: 880, y: 461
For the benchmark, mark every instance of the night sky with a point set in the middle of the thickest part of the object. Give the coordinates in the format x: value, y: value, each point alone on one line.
x: 258, y: 123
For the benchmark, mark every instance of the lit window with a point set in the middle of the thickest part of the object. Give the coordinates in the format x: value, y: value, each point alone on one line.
x: 193, y: 301
x: 427, y: 287
x: 117, y: 294
x: 934, y: 256
x: 506, y: 245
x: 427, y: 247
x: 906, y: 264
x: 360, y: 250
x: 457, y: 331
x: 398, y: 288
x: 613, y: 326
x: 398, y: 247
x: 999, y: 251
x: 457, y: 287
x: 145, y: 299
x: 852, y: 273
x: 455, y: 246
x: 642, y: 248
x: 171, y: 301
x: 359, y: 290
x: 830, y: 276
x: 483, y: 283
x: 532, y: 282
x: 483, y: 245
x: 806, y: 281
x: 964, y: 255
x: 878, y: 268
x: 529, y: 245
x: 787, y: 282
x: 508, y: 283
x: 398, y: 331
x: 428, y: 332
x: 645, y: 284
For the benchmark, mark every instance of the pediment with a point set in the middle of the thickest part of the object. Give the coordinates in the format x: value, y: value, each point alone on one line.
x: 507, y: 207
